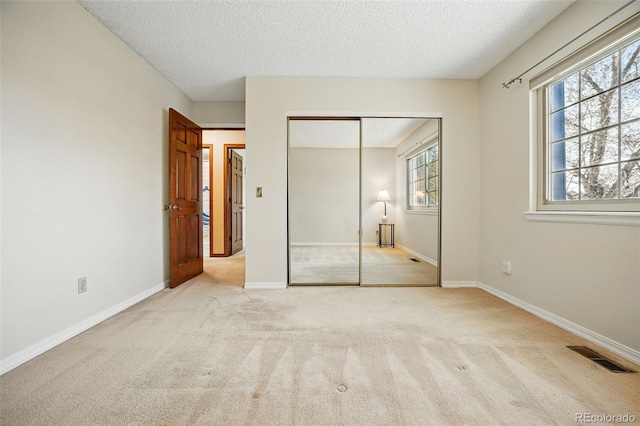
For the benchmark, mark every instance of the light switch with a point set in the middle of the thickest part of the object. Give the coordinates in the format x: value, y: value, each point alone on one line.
x: 259, y: 192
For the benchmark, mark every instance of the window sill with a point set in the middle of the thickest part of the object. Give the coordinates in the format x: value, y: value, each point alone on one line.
x: 595, y: 218
x: 430, y: 212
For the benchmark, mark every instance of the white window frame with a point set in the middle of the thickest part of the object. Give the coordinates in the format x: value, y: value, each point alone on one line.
x: 427, y: 208
x: 618, y: 212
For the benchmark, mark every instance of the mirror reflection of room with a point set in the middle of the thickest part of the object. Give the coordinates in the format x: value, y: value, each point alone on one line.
x: 323, y: 202
x: 388, y: 187
x: 400, y: 193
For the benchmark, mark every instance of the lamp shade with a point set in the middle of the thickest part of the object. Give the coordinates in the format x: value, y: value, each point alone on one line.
x: 384, y: 195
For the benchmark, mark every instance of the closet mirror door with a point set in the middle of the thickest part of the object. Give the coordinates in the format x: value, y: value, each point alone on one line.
x: 324, y: 176
x: 400, y: 197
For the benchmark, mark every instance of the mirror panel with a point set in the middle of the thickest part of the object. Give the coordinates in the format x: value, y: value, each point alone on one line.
x: 324, y: 175
x: 400, y: 164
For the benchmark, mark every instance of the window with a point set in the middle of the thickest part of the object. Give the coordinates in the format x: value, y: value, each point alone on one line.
x: 591, y: 133
x: 422, y: 179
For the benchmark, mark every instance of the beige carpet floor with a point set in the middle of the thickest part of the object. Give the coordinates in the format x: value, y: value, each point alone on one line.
x: 211, y: 353
x: 339, y: 265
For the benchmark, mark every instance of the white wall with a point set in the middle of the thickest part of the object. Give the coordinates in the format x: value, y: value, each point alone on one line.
x: 416, y: 231
x: 84, y: 173
x: 586, y: 274
x: 270, y: 99
x: 218, y: 114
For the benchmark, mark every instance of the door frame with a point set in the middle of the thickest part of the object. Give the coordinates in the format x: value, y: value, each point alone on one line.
x: 211, y: 184
x: 227, y: 202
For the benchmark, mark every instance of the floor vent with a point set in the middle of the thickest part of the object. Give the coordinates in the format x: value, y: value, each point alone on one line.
x: 599, y: 359
x: 413, y: 259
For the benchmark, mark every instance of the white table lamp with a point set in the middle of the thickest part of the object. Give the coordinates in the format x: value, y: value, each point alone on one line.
x: 384, y: 197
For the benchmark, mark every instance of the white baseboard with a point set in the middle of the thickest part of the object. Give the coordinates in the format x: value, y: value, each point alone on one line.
x: 265, y: 286
x: 353, y: 244
x: 418, y: 255
x: 33, y: 351
x: 459, y: 284
x: 593, y: 337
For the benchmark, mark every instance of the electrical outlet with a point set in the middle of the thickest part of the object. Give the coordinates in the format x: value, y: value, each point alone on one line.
x: 82, y: 285
x: 506, y: 267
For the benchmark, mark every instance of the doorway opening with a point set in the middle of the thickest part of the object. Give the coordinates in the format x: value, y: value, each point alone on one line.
x: 223, y: 221
x: 364, y: 196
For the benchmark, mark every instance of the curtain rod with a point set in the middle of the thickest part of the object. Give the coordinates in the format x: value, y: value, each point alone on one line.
x: 420, y: 142
x: 519, y: 78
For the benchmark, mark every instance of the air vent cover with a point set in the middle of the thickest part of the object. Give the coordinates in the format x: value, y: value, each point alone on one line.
x: 599, y: 359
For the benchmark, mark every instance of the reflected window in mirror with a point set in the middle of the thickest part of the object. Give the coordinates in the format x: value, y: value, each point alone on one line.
x: 422, y: 179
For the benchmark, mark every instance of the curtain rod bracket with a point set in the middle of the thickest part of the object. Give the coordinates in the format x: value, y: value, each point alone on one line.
x: 513, y: 80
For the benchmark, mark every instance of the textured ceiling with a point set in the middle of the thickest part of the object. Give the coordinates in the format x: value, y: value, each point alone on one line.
x: 376, y: 132
x: 206, y: 48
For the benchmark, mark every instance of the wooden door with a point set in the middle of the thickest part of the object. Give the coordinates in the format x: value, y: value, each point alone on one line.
x: 185, y: 199
x: 237, y: 209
